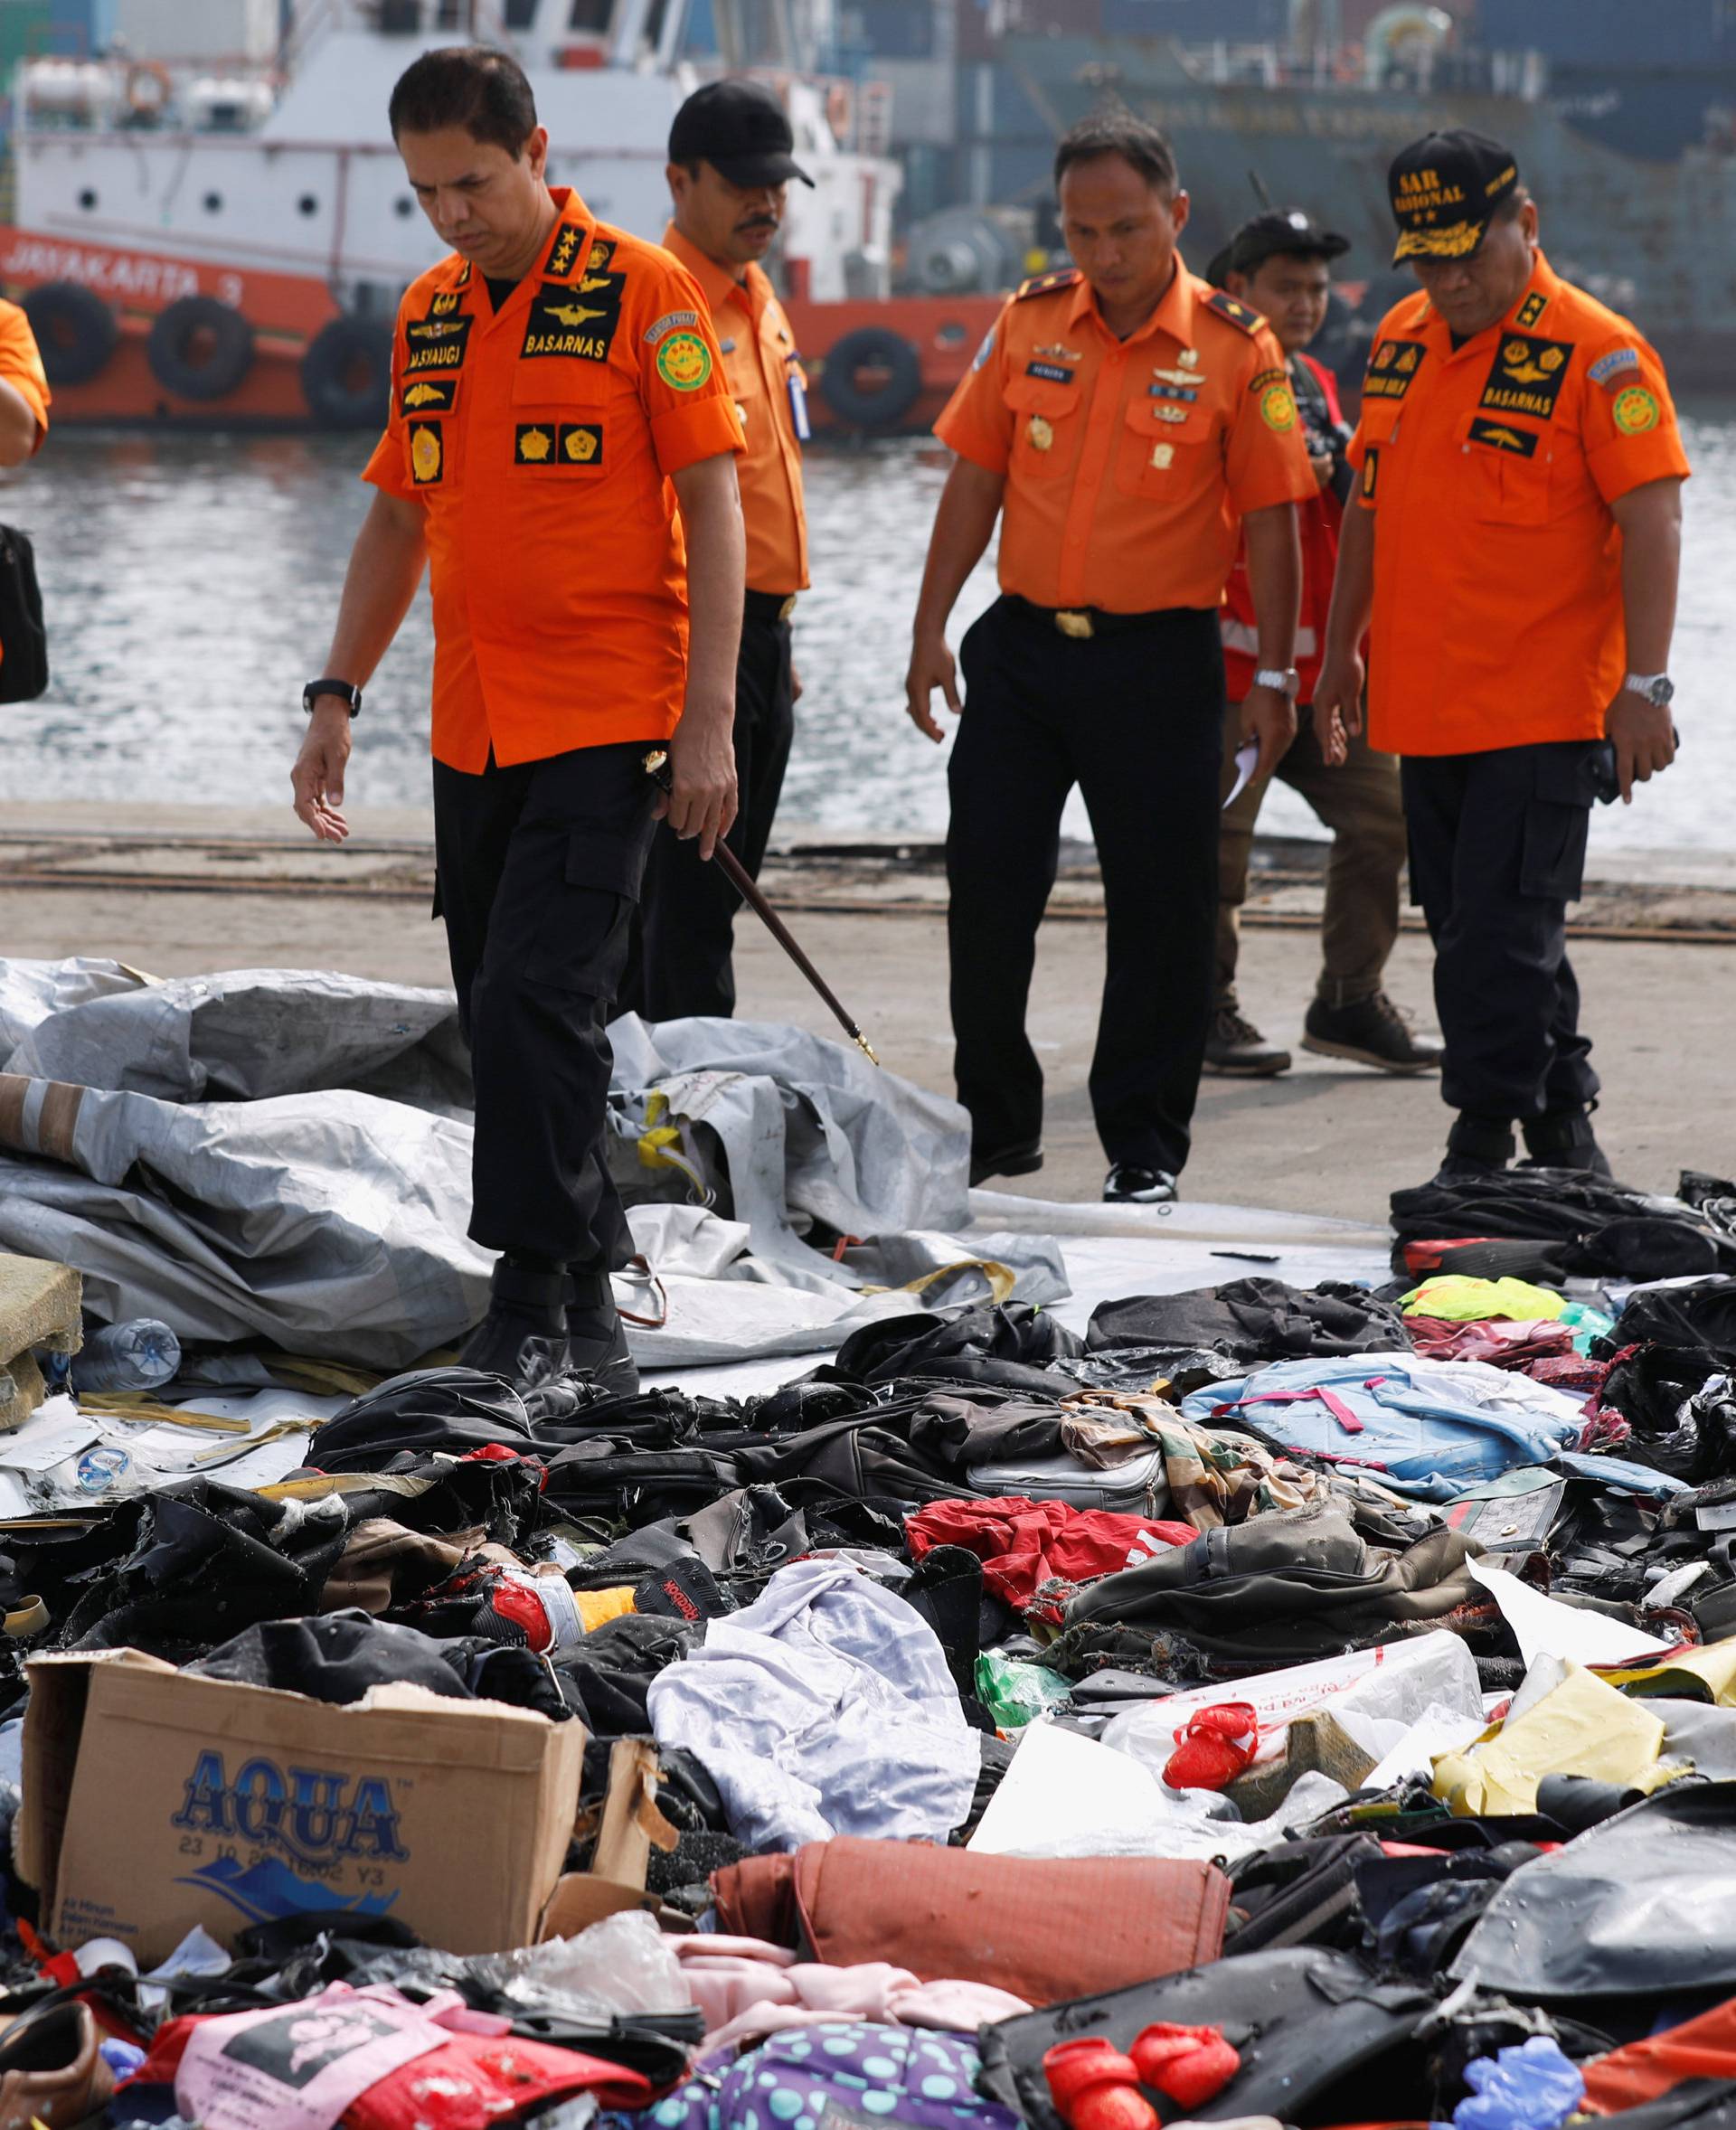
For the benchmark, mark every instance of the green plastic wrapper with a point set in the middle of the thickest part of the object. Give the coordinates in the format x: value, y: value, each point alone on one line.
x: 1016, y: 1694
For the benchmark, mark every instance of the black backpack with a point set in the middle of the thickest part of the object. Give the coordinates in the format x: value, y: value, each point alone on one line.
x: 24, y: 639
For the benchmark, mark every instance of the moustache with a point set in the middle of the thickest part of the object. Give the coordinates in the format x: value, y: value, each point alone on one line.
x: 758, y: 222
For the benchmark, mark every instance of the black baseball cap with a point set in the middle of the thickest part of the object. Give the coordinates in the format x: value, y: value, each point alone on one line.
x: 1445, y: 189
x: 740, y: 129
x: 1279, y: 232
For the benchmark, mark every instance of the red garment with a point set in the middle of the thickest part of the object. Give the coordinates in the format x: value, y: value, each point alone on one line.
x: 1024, y: 1544
x: 1703, y: 2047
x: 1318, y: 521
x: 468, y: 2083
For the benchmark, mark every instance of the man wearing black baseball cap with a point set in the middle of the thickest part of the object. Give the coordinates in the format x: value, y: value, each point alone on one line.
x: 1516, y: 544
x: 730, y: 158
x: 1279, y: 264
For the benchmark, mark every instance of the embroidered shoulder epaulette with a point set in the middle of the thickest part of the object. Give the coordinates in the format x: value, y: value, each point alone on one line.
x: 1238, y: 314
x: 1045, y: 284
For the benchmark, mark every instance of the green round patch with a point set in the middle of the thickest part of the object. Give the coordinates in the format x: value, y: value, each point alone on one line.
x: 1278, y: 408
x: 1636, y: 410
x: 684, y: 361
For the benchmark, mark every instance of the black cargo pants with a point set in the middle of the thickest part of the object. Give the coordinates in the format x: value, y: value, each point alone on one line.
x: 1497, y: 852
x: 681, y: 961
x: 538, y: 869
x: 1135, y: 718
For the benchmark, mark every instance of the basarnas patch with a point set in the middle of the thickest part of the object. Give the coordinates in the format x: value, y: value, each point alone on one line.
x: 427, y: 453
x: 1527, y: 375
x: 684, y: 361
x: 1500, y: 436
x: 575, y: 321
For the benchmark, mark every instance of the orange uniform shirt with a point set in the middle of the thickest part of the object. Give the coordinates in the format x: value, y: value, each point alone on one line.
x: 539, y: 441
x: 21, y: 365
x: 1130, y: 463
x: 1490, y: 470
x: 759, y: 360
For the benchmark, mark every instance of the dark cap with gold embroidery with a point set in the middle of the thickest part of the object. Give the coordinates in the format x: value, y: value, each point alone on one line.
x: 1445, y: 189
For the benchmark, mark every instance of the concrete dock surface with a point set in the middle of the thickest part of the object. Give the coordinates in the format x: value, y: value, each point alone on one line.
x: 186, y: 889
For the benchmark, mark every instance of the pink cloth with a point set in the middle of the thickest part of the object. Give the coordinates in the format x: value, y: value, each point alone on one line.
x: 747, y: 1990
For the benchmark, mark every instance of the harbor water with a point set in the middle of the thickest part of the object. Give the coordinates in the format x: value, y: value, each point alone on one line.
x: 191, y: 584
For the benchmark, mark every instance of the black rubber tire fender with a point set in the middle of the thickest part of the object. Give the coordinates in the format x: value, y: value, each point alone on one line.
x: 879, y: 347
x: 347, y: 373
x: 172, y: 334
x: 76, y: 332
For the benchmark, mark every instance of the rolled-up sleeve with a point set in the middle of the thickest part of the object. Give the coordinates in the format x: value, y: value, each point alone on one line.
x: 1627, y: 424
x: 682, y: 379
x: 976, y: 422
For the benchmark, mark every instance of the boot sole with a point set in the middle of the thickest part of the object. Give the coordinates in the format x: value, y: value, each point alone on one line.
x: 1010, y: 1164
x: 1276, y: 1072
x: 1323, y: 1049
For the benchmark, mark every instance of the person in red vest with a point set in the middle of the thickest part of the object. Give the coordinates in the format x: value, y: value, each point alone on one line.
x: 1279, y: 265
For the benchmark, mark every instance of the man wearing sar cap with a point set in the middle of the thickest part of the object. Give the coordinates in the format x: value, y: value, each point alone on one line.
x: 730, y: 159
x: 1515, y: 543
x: 1279, y: 264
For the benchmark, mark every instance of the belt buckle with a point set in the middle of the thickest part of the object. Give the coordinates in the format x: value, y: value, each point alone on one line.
x: 787, y: 608
x: 1074, y: 623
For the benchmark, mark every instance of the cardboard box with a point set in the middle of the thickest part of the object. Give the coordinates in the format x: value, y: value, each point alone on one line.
x: 632, y: 1826
x: 156, y: 1799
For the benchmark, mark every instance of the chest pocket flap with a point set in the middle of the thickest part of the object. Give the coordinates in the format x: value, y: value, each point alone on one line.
x: 1507, y: 470
x: 1046, y: 428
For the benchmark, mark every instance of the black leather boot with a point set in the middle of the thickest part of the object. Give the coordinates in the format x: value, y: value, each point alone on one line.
x: 523, y: 1336
x: 1564, y: 1140
x: 596, y: 1336
x: 1476, y: 1146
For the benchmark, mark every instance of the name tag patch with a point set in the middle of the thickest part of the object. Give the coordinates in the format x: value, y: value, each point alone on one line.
x: 1391, y: 369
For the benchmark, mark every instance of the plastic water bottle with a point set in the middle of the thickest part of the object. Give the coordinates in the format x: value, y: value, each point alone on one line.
x: 136, y: 1356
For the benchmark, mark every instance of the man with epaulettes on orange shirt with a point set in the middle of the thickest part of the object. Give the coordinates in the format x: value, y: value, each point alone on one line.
x: 559, y: 455
x: 1517, y: 547
x: 1127, y: 423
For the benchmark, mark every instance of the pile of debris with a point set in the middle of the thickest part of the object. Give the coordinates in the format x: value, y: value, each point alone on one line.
x: 1305, y: 1700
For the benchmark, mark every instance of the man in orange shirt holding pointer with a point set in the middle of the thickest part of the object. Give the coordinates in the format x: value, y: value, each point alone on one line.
x: 559, y: 453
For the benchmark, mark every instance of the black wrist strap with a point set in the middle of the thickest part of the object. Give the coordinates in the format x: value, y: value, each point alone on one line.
x: 315, y: 689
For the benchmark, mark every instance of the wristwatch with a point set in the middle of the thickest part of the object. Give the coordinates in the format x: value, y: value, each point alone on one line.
x: 1657, y: 688
x: 1287, y: 682
x: 312, y: 693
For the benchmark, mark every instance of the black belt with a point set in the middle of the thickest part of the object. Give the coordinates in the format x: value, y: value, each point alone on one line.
x: 1081, y: 622
x: 769, y: 606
